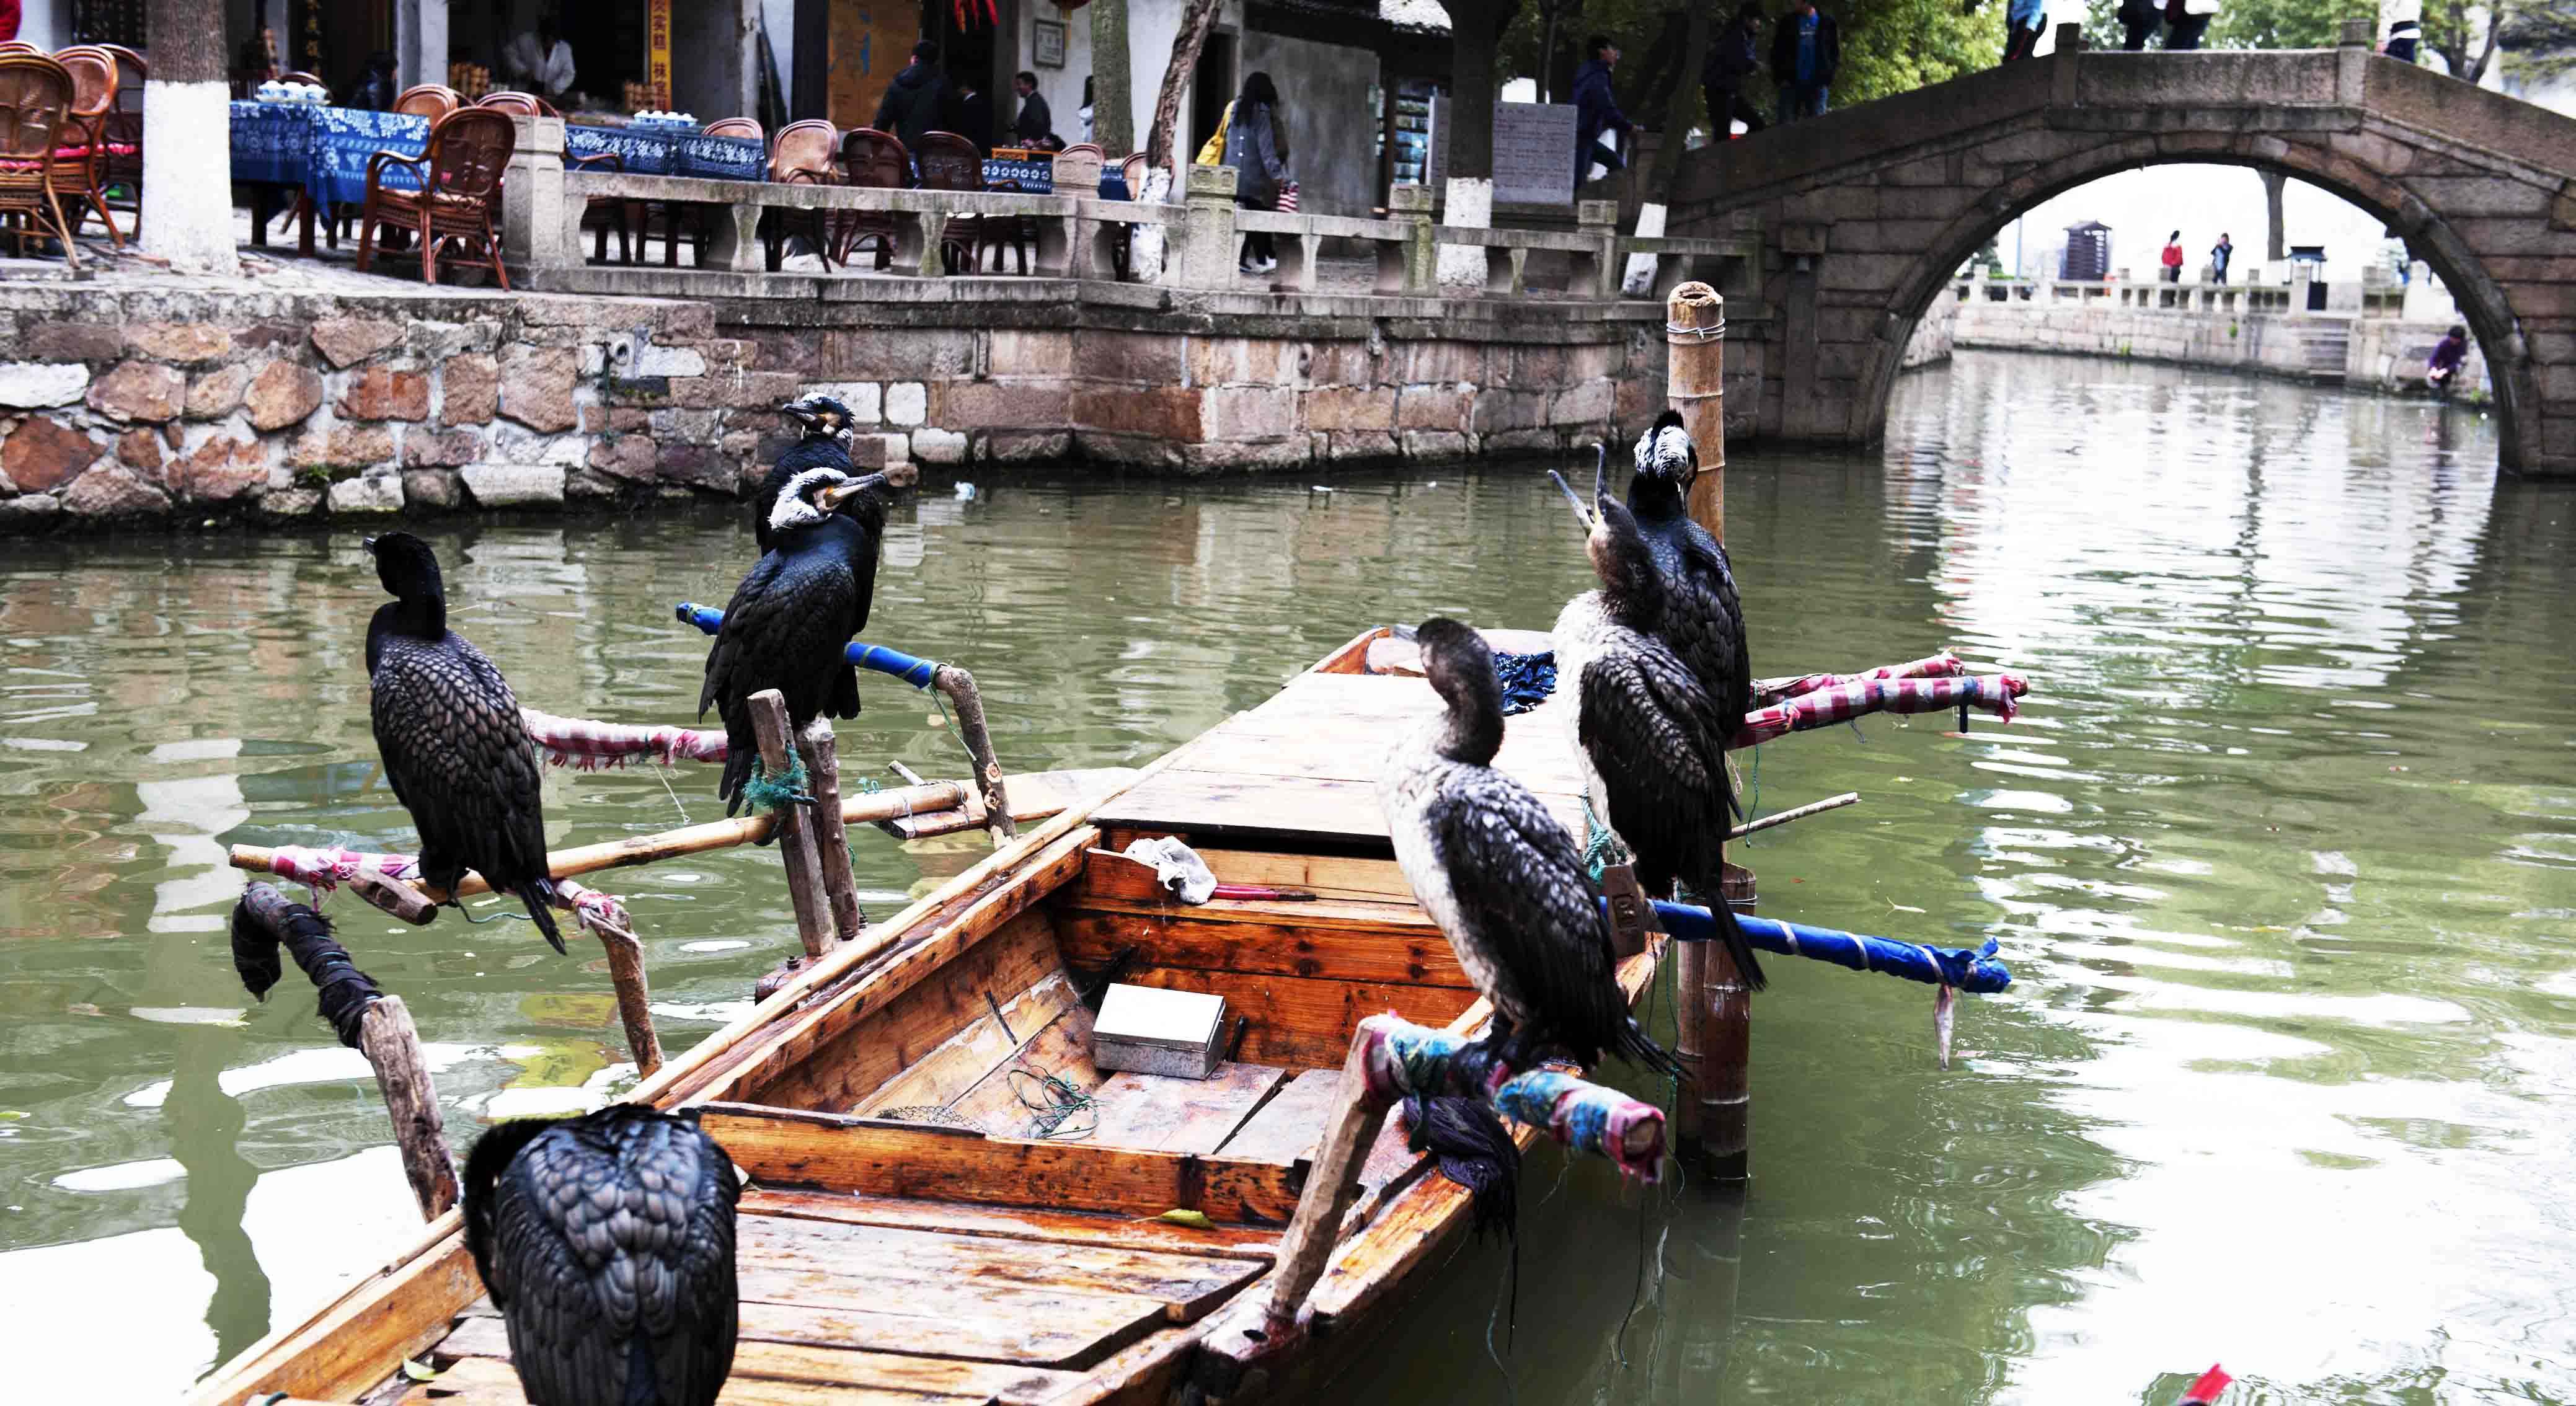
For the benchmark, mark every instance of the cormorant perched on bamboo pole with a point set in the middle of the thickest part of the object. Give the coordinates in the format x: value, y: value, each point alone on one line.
x: 455, y: 750
x: 823, y: 428
x: 1702, y: 617
x: 1647, y: 735
x: 607, y: 1242
x: 1500, y: 877
x: 806, y: 598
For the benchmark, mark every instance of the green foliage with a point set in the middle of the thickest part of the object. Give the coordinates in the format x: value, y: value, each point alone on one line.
x: 2286, y: 24
x: 1889, y: 46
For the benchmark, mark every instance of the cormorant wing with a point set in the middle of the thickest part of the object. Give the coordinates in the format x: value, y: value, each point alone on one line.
x: 457, y: 753
x: 1521, y: 889
x: 1649, y: 730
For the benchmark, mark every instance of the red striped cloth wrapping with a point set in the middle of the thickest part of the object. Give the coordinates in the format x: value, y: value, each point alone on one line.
x: 585, y: 745
x: 1992, y: 693
x: 1938, y: 666
x: 325, y: 869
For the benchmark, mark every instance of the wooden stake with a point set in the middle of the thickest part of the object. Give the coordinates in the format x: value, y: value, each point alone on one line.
x: 626, y: 973
x: 795, y: 835
x: 1695, y: 384
x: 392, y: 1046
x: 1332, y: 1183
x: 959, y: 686
x: 1715, y: 1019
x: 831, y: 837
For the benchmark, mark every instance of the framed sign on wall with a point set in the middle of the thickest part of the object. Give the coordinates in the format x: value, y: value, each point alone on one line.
x: 1048, y: 46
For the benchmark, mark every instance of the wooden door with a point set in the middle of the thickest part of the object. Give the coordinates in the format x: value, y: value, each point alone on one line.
x: 871, y: 41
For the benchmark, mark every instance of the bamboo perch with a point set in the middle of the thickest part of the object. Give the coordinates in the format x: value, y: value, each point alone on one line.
x: 1794, y: 813
x: 1695, y: 385
x: 831, y: 840
x: 795, y: 833
x: 625, y: 974
x: 1937, y: 666
x: 334, y: 866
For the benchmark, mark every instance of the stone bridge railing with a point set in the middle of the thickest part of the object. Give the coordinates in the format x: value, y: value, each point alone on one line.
x: 1075, y: 236
x: 2289, y: 298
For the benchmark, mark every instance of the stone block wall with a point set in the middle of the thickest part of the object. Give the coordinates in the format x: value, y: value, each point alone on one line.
x: 2361, y: 352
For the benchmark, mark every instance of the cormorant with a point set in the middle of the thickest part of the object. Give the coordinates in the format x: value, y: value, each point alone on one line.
x: 1703, y: 620
x: 804, y: 600
x: 455, y: 751
x: 607, y: 1242
x: 824, y: 427
x: 1500, y: 877
x: 1647, y: 735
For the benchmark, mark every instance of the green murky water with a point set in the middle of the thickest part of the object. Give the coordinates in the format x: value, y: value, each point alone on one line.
x: 2281, y: 852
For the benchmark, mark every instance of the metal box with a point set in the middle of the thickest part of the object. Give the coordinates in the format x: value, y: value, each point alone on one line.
x: 1149, y: 1030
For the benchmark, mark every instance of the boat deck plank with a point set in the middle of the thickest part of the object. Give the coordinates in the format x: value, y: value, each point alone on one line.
x: 1291, y: 1123
x: 1017, y: 1222
x: 1182, y: 1115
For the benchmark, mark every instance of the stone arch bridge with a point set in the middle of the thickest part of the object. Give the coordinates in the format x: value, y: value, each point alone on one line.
x: 1865, y: 213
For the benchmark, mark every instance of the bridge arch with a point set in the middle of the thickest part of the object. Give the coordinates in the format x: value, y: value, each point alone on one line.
x: 1863, y: 227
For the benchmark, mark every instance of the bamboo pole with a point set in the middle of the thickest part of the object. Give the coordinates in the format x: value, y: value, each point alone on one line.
x: 795, y: 835
x: 831, y: 838
x: 626, y: 974
x: 391, y: 1044
x: 672, y: 844
x: 1794, y: 813
x: 1694, y: 382
x: 1332, y: 1183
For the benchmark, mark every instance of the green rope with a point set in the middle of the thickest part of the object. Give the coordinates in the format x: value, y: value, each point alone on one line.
x: 1063, y: 1102
x: 1601, y: 848
x: 766, y: 794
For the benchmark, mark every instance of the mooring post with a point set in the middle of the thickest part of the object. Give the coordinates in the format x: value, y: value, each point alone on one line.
x: 391, y: 1044
x: 795, y: 834
x: 831, y: 836
x: 1694, y: 381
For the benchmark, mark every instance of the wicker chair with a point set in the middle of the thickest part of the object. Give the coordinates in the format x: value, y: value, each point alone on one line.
x: 512, y: 101
x: 597, y: 216
x: 80, y: 162
x: 19, y: 46
x: 460, y: 178
x: 1132, y: 170
x: 801, y: 154
x: 124, y: 161
x: 300, y: 76
x: 35, y: 113
x: 951, y: 162
x: 877, y: 160
x: 430, y: 100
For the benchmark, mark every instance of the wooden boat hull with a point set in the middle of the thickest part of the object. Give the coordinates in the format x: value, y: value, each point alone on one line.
x: 921, y: 1228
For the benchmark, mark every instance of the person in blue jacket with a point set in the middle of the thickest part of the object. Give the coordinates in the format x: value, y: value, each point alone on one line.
x: 2024, y: 22
x: 1596, y: 109
x: 1806, y: 48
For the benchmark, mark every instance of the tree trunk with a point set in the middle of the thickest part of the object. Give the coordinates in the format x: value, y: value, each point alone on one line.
x: 187, y: 208
x: 2275, y: 247
x: 1195, y: 22
x: 1661, y: 74
x: 1678, y: 107
x: 1476, y: 38
x: 1113, y: 115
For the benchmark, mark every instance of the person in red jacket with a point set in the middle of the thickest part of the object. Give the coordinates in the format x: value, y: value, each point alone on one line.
x: 9, y: 19
x: 2173, y: 258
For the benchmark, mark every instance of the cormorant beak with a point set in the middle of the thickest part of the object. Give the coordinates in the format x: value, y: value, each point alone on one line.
x: 797, y: 411
x: 831, y: 499
x: 369, y: 543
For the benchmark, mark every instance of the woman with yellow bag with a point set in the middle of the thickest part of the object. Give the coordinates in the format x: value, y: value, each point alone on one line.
x: 1249, y: 140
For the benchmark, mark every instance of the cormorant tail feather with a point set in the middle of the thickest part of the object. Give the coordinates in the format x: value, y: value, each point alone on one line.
x: 1738, y: 945
x: 1473, y: 1149
x: 539, y: 895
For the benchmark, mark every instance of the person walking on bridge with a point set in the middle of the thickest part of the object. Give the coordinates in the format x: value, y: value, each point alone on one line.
x: 2024, y: 22
x: 2404, y: 20
x: 1806, y: 48
x: 1596, y: 109
x: 2139, y: 21
x: 2173, y: 258
x: 1732, y: 59
x: 2219, y: 254
x: 2185, y: 20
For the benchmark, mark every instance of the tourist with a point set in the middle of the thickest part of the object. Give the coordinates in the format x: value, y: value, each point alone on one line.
x: 1806, y: 48
x: 970, y: 112
x: 1035, y: 124
x: 2139, y: 21
x: 1085, y: 111
x: 539, y: 62
x: 2219, y: 254
x: 2405, y: 28
x: 912, y: 103
x: 2173, y: 258
x: 2024, y: 22
x: 375, y: 89
x: 1732, y: 59
x: 1596, y: 110
x: 2184, y: 21
x: 2444, y: 365
x: 1252, y: 149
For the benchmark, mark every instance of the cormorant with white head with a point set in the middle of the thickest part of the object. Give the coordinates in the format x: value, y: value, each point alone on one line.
x: 1500, y: 877
x: 455, y: 751
x: 1647, y: 735
x: 823, y: 430
x: 607, y: 1242
x: 1702, y: 618
x: 805, y: 599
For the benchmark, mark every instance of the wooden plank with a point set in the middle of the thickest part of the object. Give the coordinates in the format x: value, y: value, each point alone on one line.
x: 1287, y: 808
x: 477, y: 1336
x: 1328, y: 914
x: 1306, y: 1023
x: 846, y: 1154
x: 1144, y: 1373
x: 947, y: 1072
x: 490, y: 1381
x: 1013, y: 1223
x: 1286, y: 1129
x: 360, y: 1337
x: 1327, y: 876
x: 1182, y: 1115
x: 1000, y: 1102
x: 1186, y: 1286
x: 1414, y: 954
x: 870, y: 1053
x: 1065, y: 1335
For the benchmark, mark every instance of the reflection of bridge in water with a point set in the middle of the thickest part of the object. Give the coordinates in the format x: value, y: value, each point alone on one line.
x: 1865, y: 213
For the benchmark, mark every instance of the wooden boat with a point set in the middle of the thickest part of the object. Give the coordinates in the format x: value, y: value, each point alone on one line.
x: 903, y: 1235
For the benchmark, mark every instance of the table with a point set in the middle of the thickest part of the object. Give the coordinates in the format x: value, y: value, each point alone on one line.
x: 322, y: 152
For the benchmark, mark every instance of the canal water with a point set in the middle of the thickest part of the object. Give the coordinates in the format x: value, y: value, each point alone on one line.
x: 2280, y: 854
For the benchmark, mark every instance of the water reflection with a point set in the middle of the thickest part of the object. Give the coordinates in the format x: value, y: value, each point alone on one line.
x: 2279, y: 852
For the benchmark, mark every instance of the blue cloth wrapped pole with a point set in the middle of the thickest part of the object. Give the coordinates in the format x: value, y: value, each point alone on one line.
x: 1403, y: 1059
x: 1968, y: 970
x: 893, y: 663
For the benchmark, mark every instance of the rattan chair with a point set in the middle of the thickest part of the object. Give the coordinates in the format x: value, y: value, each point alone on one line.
x: 35, y: 115
x: 512, y: 100
x: 801, y: 154
x: 300, y: 76
x: 1132, y: 170
x: 460, y: 185
x: 19, y: 46
x: 80, y: 161
x: 124, y: 160
x: 597, y: 216
x: 948, y: 161
x: 877, y: 160
x: 430, y: 100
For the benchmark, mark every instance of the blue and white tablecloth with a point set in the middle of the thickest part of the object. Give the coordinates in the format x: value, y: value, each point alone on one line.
x: 325, y: 149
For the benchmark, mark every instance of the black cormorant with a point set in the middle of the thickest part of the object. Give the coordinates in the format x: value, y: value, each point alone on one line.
x: 823, y: 428
x: 607, y: 1242
x: 804, y: 600
x: 1646, y: 733
x: 1500, y: 877
x: 455, y: 750
x: 1703, y: 620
